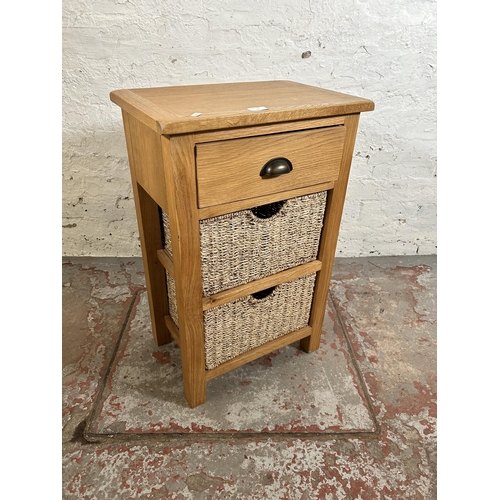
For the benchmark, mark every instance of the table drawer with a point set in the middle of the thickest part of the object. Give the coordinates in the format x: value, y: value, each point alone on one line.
x: 248, y: 245
x: 246, y: 323
x: 230, y: 170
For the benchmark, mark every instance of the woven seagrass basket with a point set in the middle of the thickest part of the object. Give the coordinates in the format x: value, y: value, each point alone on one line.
x: 244, y: 246
x: 239, y: 326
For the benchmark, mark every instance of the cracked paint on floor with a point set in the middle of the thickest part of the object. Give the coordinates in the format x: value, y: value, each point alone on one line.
x: 383, y: 314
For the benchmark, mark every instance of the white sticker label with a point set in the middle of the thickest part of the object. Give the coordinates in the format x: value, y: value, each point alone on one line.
x: 196, y: 114
x: 257, y: 108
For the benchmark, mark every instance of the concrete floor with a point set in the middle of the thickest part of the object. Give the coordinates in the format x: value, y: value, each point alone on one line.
x: 355, y: 420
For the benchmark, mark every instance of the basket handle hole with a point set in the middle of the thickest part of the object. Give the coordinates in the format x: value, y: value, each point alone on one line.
x: 267, y: 211
x: 263, y: 293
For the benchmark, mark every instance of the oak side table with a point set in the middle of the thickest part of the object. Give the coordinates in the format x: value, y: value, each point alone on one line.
x: 239, y: 190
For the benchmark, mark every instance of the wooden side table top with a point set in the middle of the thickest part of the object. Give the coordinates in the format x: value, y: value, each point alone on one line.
x: 196, y: 108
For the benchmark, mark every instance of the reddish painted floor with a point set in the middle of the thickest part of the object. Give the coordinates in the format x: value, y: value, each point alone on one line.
x: 125, y: 435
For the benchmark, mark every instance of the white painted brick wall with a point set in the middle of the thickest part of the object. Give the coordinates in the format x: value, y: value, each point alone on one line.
x: 384, y: 50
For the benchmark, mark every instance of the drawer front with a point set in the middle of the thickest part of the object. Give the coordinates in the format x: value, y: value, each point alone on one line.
x: 244, y: 324
x: 229, y: 171
x: 244, y: 246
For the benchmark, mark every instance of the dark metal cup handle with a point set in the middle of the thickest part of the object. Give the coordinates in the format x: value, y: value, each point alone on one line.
x: 276, y: 167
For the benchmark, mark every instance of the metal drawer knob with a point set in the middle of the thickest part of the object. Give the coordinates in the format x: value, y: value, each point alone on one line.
x: 275, y: 167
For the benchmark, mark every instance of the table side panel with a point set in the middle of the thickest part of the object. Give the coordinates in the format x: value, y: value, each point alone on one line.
x: 148, y: 160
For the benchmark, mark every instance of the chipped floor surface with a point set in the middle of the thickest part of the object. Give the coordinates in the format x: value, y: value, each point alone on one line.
x: 354, y: 420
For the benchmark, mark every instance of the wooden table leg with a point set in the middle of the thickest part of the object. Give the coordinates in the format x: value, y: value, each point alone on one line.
x: 148, y: 221
x: 180, y: 176
x: 329, y: 237
x: 151, y: 242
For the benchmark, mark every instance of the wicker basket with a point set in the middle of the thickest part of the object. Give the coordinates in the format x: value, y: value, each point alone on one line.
x: 239, y: 326
x: 244, y: 246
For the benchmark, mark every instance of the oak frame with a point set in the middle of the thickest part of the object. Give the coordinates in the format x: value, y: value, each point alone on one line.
x: 162, y: 156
